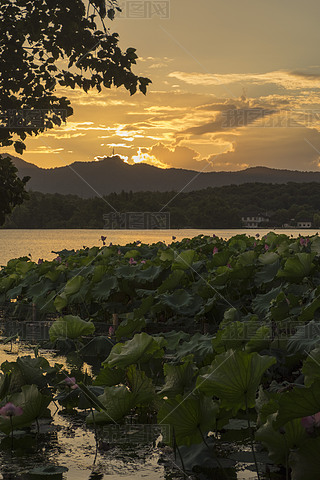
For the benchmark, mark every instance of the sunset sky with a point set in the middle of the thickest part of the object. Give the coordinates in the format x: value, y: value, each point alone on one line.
x: 209, y: 59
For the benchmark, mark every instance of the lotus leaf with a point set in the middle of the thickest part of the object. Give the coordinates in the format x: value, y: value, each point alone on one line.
x: 70, y: 326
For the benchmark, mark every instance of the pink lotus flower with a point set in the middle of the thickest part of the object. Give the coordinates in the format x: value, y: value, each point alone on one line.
x: 266, y: 247
x: 119, y: 252
x: 111, y: 331
x: 254, y: 244
x: 40, y: 261
x: 143, y: 261
x: 132, y: 261
x: 215, y: 250
x: 58, y: 259
x: 228, y: 265
x: 71, y: 382
x: 311, y: 422
x: 304, y: 241
x: 10, y: 410
x: 103, y: 239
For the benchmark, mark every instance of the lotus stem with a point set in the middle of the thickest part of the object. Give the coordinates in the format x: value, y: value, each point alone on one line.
x: 251, y: 438
x: 218, y: 461
x: 202, y: 436
x: 95, y: 435
x: 11, y: 432
x: 175, y: 447
x: 286, y: 444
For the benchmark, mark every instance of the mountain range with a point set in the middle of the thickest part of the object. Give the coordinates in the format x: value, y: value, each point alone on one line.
x: 111, y: 174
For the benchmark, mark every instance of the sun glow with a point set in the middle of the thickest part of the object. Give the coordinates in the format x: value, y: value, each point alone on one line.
x: 144, y: 157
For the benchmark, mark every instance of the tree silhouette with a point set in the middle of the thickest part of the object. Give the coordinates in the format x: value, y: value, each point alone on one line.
x: 45, y: 45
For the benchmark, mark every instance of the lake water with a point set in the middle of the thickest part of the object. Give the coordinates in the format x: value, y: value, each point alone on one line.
x: 41, y: 243
x: 66, y: 441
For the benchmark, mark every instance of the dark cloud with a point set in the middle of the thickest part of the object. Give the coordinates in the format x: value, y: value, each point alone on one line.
x: 217, y: 107
x: 231, y: 119
x: 286, y: 148
x: 306, y: 75
x: 179, y: 157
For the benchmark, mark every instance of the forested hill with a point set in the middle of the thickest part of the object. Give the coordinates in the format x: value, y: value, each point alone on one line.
x: 111, y: 174
x: 220, y: 207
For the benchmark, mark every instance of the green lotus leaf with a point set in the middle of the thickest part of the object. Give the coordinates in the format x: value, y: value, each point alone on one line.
x: 144, y: 308
x: 238, y: 243
x: 45, y: 303
x: 34, y: 370
x: 315, y: 244
x: 199, y: 345
x: 104, y: 288
x: 39, y: 289
x: 73, y: 285
x: 5, y: 381
x: 271, y: 237
x: 140, y: 349
x: 148, y: 275
x: 181, y: 301
x: 183, y: 260
x: 129, y: 326
x: 297, y: 267
x: 108, y: 376
x: 7, y: 282
x: 305, y: 461
x: 167, y: 255
x: 298, y: 403
x: 311, y: 367
x: 99, y: 346
x: 222, y: 276
x: 178, y: 378
x: 247, y: 259
x: 230, y: 336
x: 306, y: 338
x: 53, y: 275
x: 33, y: 403
x: 190, y: 417
x: 98, y: 273
x: 27, y: 370
x: 268, y: 258
x: 279, y: 444
x: 267, y: 273
x: 141, y: 386
x: 220, y: 258
x: 234, y: 377
x: 118, y: 401
x: 70, y: 326
x: 23, y: 267
x: 267, y: 403
x: 60, y: 302
x: 47, y: 471
x: 260, y: 340
x: 202, y: 458
x: 132, y: 254
x: 173, y: 339
x: 309, y: 311
x: 172, y: 281
x: 261, y: 303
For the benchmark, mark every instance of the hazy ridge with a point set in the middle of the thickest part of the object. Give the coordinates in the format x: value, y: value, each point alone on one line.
x: 90, y: 179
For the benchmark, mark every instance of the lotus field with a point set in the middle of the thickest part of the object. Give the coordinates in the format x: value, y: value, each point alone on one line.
x: 236, y: 348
